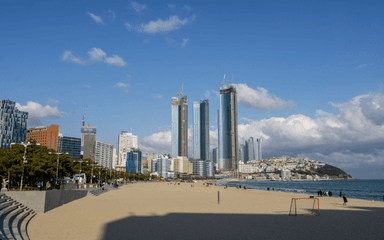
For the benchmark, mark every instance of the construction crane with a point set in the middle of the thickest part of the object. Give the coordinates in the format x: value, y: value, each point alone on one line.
x: 222, y: 84
x: 83, y: 121
x: 181, y: 91
x: 230, y: 83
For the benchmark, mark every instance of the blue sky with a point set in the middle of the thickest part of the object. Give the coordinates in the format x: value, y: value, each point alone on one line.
x: 309, y: 73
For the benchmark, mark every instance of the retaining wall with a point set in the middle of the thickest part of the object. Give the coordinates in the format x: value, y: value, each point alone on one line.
x: 43, y: 201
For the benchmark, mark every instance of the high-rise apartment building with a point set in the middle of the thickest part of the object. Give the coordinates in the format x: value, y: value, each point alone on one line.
x: 114, y: 158
x: 127, y: 142
x: 104, y: 154
x: 88, y: 142
x: 182, y: 165
x: 259, y: 157
x: 201, y: 130
x: 203, y: 168
x: 133, y: 164
x: 179, y: 133
x: 46, y: 136
x: 228, y: 138
x: 13, y: 124
x: 70, y: 145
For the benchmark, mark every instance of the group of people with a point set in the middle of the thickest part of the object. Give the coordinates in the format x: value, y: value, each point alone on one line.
x: 324, y: 193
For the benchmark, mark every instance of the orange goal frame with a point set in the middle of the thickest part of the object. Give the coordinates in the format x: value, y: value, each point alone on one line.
x: 294, y: 201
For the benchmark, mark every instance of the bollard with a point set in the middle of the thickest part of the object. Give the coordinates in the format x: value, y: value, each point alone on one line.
x: 218, y: 197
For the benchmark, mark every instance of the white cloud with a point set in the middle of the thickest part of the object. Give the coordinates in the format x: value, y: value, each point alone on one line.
x: 157, y: 96
x: 36, y: 112
x: 364, y: 65
x: 216, y: 93
x: 160, y: 25
x: 128, y: 26
x: 185, y: 40
x: 138, y: 7
x: 157, y: 143
x: 52, y: 101
x: 123, y: 86
x: 113, y: 14
x: 68, y: 56
x: 85, y: 85
x: 188, y: 8
x: 171, y: 6
x: 95, y: 55
x: 146, y: 41
x: 115, y: 60
x: 97, y: 19
x: 260, y: 99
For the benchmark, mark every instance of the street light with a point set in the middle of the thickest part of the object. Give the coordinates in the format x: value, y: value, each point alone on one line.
x: 57, y: 167
x: 92, y: 170
x: 80, y: 165
x: 99, y: 167
x: 24, y: 159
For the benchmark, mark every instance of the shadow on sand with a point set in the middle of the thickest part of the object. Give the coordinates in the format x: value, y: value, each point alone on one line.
x: 331, y: 224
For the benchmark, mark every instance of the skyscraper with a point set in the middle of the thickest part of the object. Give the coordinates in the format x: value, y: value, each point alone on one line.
x: 88, y: 142
x: 201, y: 130
x: 248, y: 150
x: 228, y: 138
x: 259, y: 157
x: 127, y: 141
x: 13, y: 124
x: 179, y: 126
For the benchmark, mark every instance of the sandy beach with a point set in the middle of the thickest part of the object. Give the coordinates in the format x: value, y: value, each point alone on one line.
x: 165, y: 211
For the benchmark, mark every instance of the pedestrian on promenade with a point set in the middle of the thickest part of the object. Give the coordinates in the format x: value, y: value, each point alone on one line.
x: 38, y: 186
x: 345, y: 200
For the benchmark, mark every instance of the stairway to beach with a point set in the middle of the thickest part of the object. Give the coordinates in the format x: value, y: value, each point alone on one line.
x: 14, y: 219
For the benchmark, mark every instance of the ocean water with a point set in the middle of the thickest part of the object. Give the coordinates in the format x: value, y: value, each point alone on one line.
x: 361, y: 189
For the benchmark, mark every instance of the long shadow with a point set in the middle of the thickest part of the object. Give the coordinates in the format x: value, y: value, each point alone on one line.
x: 331, y: 224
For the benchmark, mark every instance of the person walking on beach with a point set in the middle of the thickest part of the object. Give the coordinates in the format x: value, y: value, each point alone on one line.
x: 345, y: 200
x: 340, y: 194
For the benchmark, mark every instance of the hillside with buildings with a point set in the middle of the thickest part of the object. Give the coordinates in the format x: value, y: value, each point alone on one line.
x: 287, y: 168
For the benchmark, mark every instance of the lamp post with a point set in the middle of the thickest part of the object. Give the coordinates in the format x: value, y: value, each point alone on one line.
x: 57, y: 167
x: 24, y: 160
x: 81, y: 161
x: 99, y: 167
x: 92, y: 170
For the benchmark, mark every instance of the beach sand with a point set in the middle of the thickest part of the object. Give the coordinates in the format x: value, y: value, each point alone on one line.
x: 165, y: 211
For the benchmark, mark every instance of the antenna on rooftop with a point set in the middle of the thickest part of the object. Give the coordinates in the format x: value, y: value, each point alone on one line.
x: 83, y: 121
x: 222, y: 83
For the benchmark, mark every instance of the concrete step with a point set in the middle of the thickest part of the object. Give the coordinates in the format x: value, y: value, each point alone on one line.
x: 7, y: 226
x: 5, y: 204
x: 24, y: 225
x: 3, y: 214
x: 16, y: 223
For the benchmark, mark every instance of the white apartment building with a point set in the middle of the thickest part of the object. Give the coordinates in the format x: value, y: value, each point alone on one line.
x: 114, y: 159
x: 104, y: 154
x: 127, y: 141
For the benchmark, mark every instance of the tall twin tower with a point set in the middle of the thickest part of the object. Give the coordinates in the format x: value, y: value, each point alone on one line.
x: 227, y: 129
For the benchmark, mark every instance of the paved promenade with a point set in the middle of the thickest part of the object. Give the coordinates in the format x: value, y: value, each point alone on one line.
x: 163, y: 211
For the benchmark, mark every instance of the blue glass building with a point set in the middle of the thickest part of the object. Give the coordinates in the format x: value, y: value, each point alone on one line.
x: 201, y: 130
x: 13, y: 124
x: 134, y: 161
x: 259, y: 157
x: 179, y: 131
x: 228, y: 137
x: 70, y: 145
